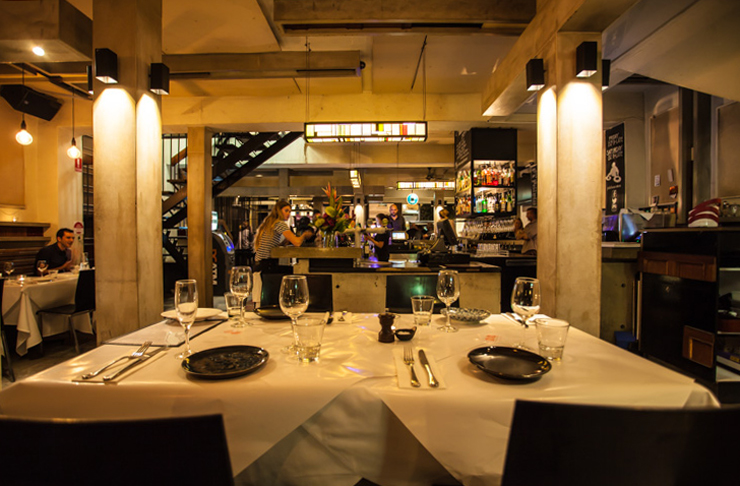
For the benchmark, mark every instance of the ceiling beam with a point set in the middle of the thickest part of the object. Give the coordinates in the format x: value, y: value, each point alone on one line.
x: 410, y: 16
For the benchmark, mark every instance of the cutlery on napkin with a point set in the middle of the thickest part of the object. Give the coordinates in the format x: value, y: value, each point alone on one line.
x: 402, y: 371
x: 118, y: 373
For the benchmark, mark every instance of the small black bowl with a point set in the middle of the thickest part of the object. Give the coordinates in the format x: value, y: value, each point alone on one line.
x: 405, y: 334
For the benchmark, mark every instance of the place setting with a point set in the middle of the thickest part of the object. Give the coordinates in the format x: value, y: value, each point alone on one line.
x: 123, y: 366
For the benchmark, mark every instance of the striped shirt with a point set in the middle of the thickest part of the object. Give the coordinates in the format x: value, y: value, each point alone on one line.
x: 271, y: 239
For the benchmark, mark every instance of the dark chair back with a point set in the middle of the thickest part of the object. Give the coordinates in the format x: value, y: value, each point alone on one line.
x: 183, y: 450
x: 400, y: 288
x: 85, y: 291
x: 320, y: 294
x: 582, y: 445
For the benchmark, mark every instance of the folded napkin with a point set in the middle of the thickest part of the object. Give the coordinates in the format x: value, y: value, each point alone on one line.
x: 404, y: 375
x: 154, y: 354
x: 165, y: 333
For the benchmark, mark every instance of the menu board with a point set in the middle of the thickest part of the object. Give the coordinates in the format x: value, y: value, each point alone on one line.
x: 615, y: 186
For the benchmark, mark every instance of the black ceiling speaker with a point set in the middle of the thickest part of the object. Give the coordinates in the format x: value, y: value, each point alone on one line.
x: 32, y: 102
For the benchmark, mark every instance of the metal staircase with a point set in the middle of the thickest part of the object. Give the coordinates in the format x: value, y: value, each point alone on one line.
x: 235, y: 156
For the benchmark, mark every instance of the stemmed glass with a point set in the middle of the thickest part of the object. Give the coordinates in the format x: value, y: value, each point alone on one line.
x: 293, y: 301
x: 525, y: 301
x: 448, y: 290
x: 186, y: 304
x: 42, y: 266
x: 8, y: 267
x: 241, y: 286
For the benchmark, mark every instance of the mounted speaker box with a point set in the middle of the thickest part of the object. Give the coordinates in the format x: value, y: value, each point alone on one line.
x: 32, y: 102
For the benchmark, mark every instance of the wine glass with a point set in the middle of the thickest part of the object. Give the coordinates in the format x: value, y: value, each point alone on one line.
x: 448, y: 290
x: 241, y: 286
x: 293, y: 301
x: 186, y: 304
x: 42, y: 266
x: 525, y: 301
x: 8, y: 267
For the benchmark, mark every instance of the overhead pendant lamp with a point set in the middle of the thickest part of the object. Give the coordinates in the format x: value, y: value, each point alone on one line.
x: 535, y: 74
x: 106, y: 66
x: 73, y: 152
x: 606, y: 69
x: 586, y: 59
x: 159, y: 79
x: 23, y: 137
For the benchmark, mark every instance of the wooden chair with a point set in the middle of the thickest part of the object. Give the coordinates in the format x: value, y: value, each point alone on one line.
x: 181, y: 451
x: 6, y: 349
x: 84, y: 303
x: 583, y: 445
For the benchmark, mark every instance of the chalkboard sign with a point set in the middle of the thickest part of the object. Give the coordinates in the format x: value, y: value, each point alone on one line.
x: 615, y: 185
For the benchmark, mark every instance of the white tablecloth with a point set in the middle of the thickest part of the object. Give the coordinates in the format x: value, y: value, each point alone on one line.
x: 344, y: 418
x: 20, y: 305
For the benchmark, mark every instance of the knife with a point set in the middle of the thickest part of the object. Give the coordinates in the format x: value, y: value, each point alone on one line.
x: 134, y: 363
x: 424, y: 361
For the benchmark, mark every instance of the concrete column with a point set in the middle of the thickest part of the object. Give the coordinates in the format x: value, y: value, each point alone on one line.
x: 127, y: 154
x: 570, y: 176
x: 200, y: 205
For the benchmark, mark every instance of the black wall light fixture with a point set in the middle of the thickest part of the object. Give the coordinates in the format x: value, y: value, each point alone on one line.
x: 606, y: 69
x: 106, y: 66
x: 586, y: 59
x: 535, y: 74
x: 159, y: 79
x: 88, y: 70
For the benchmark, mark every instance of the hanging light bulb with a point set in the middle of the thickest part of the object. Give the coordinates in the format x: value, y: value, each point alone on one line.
x: 23, y: 137
x: 73, y: 152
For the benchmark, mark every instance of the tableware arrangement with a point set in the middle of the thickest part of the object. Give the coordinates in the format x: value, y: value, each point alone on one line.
x: 551, y: 335
x: 308, y: 332
x: 525, y: 301
x: 136, y: 362
x: 8, y: 267
x: 408, y: 359
x: 422, y: 306
x: 41, y: 265
x: 240, y: 284
x: 202, y: 314
x: 225, y: 362
x: 448, y: 291
x: 405, y: 334
x: 186, y: 304
x: 425, y: 363
x: 509, y: 363
x: 271, y: 313
x: 386, y: 334
x: 466, y: 315
x: 136, y: 354
x: 293, y: 300
x: 233, y: 305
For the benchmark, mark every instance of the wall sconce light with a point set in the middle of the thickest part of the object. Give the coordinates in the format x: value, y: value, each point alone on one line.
x: 88, y: 70
x: 535, y: 74
x: 106, y: 66
x: 586, y: 59
x: 159, y: 79
x: 606, y: 69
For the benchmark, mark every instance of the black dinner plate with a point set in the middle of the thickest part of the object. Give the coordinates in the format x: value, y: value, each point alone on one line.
x: 225, y: 362
x: 271, y: 312
x: 510, y: 363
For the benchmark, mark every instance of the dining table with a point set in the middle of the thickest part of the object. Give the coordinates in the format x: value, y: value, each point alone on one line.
x: 22, y: 300
x: 353, y: 414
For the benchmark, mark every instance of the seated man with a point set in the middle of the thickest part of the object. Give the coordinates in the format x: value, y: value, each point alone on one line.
x: 58, y: 255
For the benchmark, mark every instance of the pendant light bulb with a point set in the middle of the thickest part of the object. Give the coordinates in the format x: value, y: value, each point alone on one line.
x: 73, y: 152
x: 23, y: 137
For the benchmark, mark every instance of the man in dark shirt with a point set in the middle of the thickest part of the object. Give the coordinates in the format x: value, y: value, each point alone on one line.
x: 58, y: 255
x: 397, y: 221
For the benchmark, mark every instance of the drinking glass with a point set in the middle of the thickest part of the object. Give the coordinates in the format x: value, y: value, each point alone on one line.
x: 186, y: 304
x: 525, y: 301
x: 241, y: 286
x: 448, y: 291
x: 8, y: 267
x: 293, y: 302
x: 42, y: 266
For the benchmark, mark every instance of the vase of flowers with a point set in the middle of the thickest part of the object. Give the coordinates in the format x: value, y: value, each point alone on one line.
x: 333, y: 220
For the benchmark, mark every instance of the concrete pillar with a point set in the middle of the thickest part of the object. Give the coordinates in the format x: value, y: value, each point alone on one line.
x: 570, y: 181
x: 200, y: 205
x: 127, y: 155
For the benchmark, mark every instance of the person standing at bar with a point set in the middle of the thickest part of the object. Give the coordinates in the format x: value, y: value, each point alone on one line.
x: 381, y: 241
x: 58, y: 255
x: 530, y: 233
x: 398, y: 223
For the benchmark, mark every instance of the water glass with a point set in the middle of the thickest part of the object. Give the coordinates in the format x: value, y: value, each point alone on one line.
x: 525, y: 301
x: 551, y: 335
x: 41, y: 265
x: 293, y: 302
x: 186, y: 305
x: 240, y: 283
x: 233, y: 305
x: 422, y: 306
x: 308, y: 333
x: 448, y: 291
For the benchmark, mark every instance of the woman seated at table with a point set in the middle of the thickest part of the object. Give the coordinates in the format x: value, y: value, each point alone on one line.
x: 381, y: 240
x: 273, y: 232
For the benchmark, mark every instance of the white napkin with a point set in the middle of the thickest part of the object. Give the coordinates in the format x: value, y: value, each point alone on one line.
x: 404, y: 374
x: 115, y: 368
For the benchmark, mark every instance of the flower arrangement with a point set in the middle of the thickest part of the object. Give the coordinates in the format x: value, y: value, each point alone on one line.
x: 333, y: 220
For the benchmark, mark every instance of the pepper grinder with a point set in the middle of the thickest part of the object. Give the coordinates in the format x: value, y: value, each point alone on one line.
x: 386, y: 327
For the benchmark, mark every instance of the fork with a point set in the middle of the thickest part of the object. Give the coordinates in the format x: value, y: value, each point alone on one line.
x: 408, y: 359
x: 136, y: 354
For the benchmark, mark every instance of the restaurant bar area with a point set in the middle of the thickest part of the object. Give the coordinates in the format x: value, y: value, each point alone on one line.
x: 364, y: 242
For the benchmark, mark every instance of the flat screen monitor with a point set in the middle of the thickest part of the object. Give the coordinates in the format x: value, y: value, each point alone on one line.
x: 444, y: 228
x: 399, y: 236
